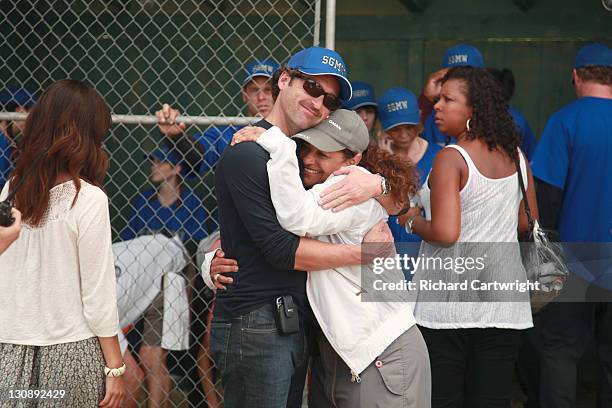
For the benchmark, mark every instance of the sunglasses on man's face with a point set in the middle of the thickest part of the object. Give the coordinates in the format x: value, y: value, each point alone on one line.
x: 314, y: 89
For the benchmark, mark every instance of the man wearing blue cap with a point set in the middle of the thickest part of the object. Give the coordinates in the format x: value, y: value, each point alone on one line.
x: 258, y: 338
x: 13, y: 99
x: 363, y: 102
x: 573, y: 168
x: 203, y: 155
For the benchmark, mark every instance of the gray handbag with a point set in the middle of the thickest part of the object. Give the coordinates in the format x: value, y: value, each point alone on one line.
x: 542, y: 256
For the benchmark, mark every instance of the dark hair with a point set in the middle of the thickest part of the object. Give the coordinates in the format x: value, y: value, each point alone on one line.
x: 600, y: 75
x: 490, y: 122
x: 274, y: 80
x: 506, y: 81
x: 401, y: 174
x: 67, y: 125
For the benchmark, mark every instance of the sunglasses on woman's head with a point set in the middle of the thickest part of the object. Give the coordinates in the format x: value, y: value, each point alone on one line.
x: 314, y: 89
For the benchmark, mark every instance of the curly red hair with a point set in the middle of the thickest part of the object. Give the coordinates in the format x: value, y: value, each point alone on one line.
x: 401, y: 174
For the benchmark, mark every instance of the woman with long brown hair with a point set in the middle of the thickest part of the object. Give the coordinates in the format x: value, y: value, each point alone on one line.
x: 58, y: 299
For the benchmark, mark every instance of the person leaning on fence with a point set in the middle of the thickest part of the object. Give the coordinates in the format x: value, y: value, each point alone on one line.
x: 380, y: 358
x: 264, y: 368
x: 202, y: 151
x: 58, y: 297
x: 169, y: 208
x: 13, y: 99
x: 573, y: 168
x: 473, y: 196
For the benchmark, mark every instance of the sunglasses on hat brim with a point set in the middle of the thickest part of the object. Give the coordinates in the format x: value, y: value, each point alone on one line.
x: 314, y: 89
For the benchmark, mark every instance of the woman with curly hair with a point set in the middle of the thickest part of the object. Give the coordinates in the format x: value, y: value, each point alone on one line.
x: 58, y: 296
x: 473, y: 198
x: 371, y: 352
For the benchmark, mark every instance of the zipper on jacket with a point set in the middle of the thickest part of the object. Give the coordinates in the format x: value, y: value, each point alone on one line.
x: 361, y: 290
x: 355, y: 377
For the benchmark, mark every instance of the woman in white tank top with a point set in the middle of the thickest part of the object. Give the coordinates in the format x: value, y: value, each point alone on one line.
x: 474, y: 208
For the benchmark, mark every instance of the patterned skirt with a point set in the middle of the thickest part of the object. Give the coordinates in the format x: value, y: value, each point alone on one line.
x: 61, y: 375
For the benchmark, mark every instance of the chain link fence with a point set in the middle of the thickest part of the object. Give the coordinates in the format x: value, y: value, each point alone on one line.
x: 140, y: 54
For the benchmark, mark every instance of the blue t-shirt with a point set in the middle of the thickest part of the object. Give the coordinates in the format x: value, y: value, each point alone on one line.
x: 214, y: 141
x: 6, y: 165
x: 423, y: 167
x: 431, y: 133
x: 148, y: 216
x: 575, y: 155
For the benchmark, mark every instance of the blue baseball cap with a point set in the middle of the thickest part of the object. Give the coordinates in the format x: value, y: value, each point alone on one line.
x: 164, y: 155
x: 594, y: 54
x: 398, y: 106
x: 363, y: 95
x: 257, y: 68
x: 18, y: 95
x: 323, y: 61
x: 463, y: 55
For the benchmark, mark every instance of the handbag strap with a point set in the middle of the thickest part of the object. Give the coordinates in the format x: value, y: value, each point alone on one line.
x: 524, y: 192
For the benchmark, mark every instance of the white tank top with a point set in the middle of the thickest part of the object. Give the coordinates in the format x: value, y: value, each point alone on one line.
x: 489, y: 214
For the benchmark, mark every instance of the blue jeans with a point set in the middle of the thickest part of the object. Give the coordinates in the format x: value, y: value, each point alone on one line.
x: 259, y: 368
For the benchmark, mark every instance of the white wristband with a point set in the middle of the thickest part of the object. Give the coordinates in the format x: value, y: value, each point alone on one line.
x: 114, y: 372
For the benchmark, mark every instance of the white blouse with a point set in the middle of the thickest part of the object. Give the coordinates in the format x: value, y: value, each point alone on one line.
x: 489, y: 221
x: 57, y: 281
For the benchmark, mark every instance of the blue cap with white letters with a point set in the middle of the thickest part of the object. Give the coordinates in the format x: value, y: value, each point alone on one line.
x: 463, y: 55
x: 363, y: 95
x: 398, y: 106
x: 323, y: 61
x: 257, y: 68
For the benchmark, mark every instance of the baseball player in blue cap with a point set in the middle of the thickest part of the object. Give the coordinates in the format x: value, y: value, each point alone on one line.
x: 204, y: 149
x: 363, y: 102
x: 399, y: 118
x: 573, y: 168
x: 12, y: 99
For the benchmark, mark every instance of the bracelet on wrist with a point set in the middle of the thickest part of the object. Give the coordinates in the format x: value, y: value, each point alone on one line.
x: 384, y: 185
x: 114, y: 372
x: 408, y: 226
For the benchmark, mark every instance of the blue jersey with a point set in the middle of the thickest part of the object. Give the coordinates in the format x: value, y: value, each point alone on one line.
x: 424, y: 167
x: 431, y: 133
x: 187, y: 218
x: 575, y: 155
x: 6, y: 165
x: 214, y: 141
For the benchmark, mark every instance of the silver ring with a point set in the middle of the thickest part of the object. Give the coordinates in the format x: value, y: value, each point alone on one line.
x: 214, y: 277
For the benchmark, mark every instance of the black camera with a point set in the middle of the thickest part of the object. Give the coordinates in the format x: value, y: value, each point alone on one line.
x: 6, y: 219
